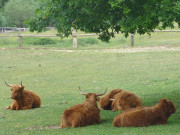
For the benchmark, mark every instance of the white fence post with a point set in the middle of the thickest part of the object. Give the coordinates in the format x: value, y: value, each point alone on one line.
x: 74, y: 39
x: 20, y: 37
x: 132, y: 39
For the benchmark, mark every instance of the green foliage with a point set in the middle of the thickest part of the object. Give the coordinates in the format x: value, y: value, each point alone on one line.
x: 106, y: 17
x: 0, y: 19
x: 44, y: 41
x: 2, y: 3
x: 17, y: 11
x: 3, y: 20
x: 87, y: 41
x: 40, y: 41
x: 177, y: 11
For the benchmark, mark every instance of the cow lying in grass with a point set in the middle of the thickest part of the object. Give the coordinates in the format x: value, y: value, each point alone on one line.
x: 23, y: 99
x: 86, y: 113
x: 125, y: 100
x: 119, y: 99
x: 138, y: 117
x: 106, y: 101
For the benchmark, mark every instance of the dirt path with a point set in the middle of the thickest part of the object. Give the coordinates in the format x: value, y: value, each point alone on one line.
x: 128, y: 50
x: 120, y: 50
x: 143, y: 49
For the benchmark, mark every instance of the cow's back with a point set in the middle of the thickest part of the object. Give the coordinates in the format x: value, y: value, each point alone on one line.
x: 136, y: 117
x: 113, y: 92
x: 125, y: 100
x: 33, y: 99
x: 36, y: 100
x: 80, y: 115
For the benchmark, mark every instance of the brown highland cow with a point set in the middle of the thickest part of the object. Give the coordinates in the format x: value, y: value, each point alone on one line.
x: 86, y: 113
x: 23, y: 99
x: 125, y: 100
x: 119, y: 99
x: 139, y: 117
x: 106, y: 101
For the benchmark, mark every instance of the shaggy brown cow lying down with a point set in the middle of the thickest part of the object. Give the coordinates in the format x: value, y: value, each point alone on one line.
x: 125, y: 100
x: 105, y: 102
x: 138, y: 117
x: 86, y: 113
x: 23, y: 99
x: 119, y: 99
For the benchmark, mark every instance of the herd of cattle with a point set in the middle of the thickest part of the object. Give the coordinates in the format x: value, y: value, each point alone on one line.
x: 88, y: 112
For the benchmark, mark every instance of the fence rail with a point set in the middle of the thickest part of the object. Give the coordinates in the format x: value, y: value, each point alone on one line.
x: 12, y: 29
x: 75, y: 35
x: 167, y: 31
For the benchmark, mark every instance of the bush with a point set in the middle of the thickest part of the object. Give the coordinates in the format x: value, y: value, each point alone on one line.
x: 40, y: 41
x: 44, y: 41
x: 3, y: 21
x: 87, y: 41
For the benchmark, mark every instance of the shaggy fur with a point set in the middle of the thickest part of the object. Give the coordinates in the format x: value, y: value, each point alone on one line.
x: 86, y: 113
x: 23, y: 99
x: 138, y: 117
x: 125, y: 100
x: 105, y: 102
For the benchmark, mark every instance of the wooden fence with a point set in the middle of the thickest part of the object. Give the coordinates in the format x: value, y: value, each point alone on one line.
x: 75, y: 35
x: 12, y: 29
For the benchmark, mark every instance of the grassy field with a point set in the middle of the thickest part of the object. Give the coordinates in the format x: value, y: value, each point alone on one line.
x: 55, y: 77
x: 156, y: 39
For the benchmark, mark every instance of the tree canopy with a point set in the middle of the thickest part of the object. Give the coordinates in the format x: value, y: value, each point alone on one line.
x: 2, y: 3
x: 106, y: 17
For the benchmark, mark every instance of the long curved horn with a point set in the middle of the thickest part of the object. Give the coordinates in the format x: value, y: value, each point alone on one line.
x: 85, y: 94
x: 8, y: 84
x: 101, y: 93
x: 21, y: 84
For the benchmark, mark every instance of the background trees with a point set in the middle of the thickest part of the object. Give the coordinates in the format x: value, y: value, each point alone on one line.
x: 3, y: 21
x: 15, y: 12
x: 106, y: 17
x: 98, y: 16
x: 2, y: 3
x: 2, y: 18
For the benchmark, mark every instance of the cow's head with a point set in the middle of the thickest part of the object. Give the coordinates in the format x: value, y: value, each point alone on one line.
x: 16, y: 90
x: 92, y: 96
x: 168, y: 106
x: 105, y: 103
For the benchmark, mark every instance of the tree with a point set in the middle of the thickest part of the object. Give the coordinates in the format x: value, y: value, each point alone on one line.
x: 2, y: 17
x: 2, y: 20
x: 2, y: 3
x: 17, y: 11
x: 106, y: 17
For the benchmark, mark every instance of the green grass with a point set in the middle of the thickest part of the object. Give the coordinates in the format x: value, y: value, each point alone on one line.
x: 156, y: 39
x: 55, y: 77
